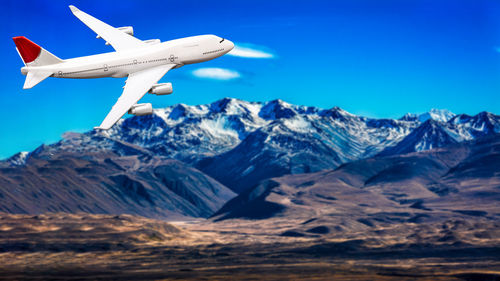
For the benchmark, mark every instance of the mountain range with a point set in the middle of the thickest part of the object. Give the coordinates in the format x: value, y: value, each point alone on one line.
x: 229, y: 143
x: 459, y: 180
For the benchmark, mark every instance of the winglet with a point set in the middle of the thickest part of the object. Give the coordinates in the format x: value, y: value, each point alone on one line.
x: 73, y: 9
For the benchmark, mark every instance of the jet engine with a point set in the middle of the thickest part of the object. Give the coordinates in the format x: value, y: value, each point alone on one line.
x: 127, y: 29
x: 152, y: 41
x: 161, y: 89
x: 141, y: 109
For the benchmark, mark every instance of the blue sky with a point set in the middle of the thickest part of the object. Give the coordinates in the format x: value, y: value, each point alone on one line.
x: 374, y: 58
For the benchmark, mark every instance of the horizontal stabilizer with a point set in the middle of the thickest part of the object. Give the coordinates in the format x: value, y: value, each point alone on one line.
x: 35, y: 77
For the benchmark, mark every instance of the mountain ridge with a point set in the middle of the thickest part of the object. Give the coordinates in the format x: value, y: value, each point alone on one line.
x: 269, y: 139
x: 458, y: 182
x: 109, y: 183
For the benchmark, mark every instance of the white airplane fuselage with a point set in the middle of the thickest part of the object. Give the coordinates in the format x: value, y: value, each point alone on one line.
x: 182, y: 51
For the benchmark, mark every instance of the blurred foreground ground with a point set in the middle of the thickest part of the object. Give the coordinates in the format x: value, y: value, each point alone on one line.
x: 93, y: 247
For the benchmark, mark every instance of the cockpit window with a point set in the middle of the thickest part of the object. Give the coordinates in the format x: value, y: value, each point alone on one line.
x: 221, y: 40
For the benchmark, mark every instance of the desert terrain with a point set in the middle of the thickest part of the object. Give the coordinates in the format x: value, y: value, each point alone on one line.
x: 61, y: 246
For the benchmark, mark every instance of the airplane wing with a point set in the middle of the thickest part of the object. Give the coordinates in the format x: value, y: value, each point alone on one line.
x: 118, y: 39
x: 137, y: 85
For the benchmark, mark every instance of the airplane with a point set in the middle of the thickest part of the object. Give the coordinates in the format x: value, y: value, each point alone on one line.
x: 143, y: 62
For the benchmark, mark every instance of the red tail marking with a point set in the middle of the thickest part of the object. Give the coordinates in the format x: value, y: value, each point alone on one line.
x: 29, y: 51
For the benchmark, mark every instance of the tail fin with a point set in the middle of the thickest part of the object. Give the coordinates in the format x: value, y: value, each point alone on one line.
x: 32, y: 54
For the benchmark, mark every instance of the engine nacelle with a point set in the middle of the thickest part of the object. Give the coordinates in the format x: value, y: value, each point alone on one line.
x: 152, y: 41
x: 127, y: 29
x: 161, y: 89
x: 141, y: 109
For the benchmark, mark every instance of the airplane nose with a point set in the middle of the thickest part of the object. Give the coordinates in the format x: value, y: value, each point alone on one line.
x: 230, y: 45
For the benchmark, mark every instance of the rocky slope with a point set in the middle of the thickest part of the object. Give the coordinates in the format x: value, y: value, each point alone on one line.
x: 136, y: 182
x: 457, y: 182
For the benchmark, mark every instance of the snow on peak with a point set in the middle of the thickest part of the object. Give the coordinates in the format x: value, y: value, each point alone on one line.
x: 277, y: 109
x: 441, y: 115
x: 409, y: 117
x: 19, y: 158
x: 342, y: 111
x: 231, y: 106
x: 336, y: 113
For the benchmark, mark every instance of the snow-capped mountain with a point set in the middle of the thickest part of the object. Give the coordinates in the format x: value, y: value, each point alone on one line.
x: 442, y: 115
x: 239, y: 142
x: 18, y: 159
x: 302, y: 140
x: 191, y: 133
x: 432, y: 134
